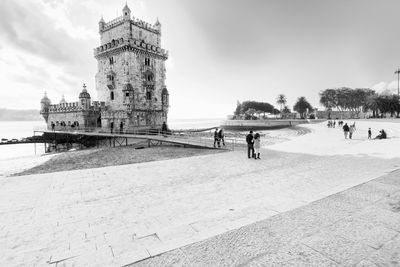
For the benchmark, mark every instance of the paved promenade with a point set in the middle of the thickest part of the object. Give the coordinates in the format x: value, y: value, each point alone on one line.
x: 357, y: 227
x: 119, y: 215
x: 122, y: 215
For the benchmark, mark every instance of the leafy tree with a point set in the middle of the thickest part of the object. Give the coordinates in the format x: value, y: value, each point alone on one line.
x: 329, y: 98
x: 250, y: 112
x: 388, y: 104
x: 371, y: 103
x: 354, y: 100
x: 286, y: 110
x: 301, y: 106
x: 262, y: 107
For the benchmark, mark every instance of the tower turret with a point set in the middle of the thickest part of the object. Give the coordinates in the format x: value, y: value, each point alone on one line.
x: 157, y: 25
x: 126, y: 12
x: 101, y: 24
x: 84, y: 98
x: 62, y: 101
x: 44, y: 106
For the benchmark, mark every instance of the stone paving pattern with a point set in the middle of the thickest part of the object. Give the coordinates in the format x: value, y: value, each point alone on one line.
x: 119, y: 215
x: 357, y: 227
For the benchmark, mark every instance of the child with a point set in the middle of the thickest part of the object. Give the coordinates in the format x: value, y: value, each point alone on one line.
x: 369, y: 133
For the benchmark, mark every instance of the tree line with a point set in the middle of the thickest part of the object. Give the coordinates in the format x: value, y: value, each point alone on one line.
x: 250, y: 110
x: 360, y: 99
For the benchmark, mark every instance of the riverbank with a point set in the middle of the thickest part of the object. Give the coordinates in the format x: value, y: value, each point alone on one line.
x: 94, y: 158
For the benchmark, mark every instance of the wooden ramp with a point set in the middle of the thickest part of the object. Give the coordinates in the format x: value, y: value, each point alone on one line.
x: 119, y: 139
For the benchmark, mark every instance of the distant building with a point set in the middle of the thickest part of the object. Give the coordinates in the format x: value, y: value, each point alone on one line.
x: 130, y: 80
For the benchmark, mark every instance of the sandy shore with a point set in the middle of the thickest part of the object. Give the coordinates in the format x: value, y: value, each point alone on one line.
x: 95, y: 158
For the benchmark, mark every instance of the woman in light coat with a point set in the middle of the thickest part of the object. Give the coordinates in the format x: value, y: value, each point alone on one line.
x: 257, y: 146
x: 352, y: 130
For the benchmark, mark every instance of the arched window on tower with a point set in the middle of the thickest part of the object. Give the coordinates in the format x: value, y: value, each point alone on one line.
x: 112, y: 95
x: 165, y: 97
x: 147, y: 61
x: 148, y: 95
x: 111, y: 80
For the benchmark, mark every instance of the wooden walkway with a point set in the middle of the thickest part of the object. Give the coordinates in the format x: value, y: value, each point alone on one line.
x: 119, y: 139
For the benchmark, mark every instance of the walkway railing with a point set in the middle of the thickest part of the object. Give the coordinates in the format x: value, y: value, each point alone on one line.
x: 190, y: 138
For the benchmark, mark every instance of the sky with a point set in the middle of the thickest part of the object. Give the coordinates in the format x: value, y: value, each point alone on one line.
x: 220, y: 51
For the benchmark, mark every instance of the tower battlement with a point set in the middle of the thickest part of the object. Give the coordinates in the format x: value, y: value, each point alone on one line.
x: 120, y: 44
x: 137, y: 22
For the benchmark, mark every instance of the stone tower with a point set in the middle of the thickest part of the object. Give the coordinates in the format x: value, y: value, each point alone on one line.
x: 131, y: 73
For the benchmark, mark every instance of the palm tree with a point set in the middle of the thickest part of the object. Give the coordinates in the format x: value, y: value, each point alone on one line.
x: 281, y: 101
x: 372, y: 104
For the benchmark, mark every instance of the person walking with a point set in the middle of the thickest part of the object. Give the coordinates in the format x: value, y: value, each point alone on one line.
x: 53, y: 126
x: 216, y: 138
x: 257, y: 146
x: 346, y: 130
x: 221, y: 136
x: 369, y: 133
x: 352, y: 129
x: 250, y: 145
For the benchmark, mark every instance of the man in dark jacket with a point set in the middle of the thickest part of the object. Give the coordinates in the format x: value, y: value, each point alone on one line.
x: 216, y: 138
x: 346, y: 130
x: 250, y: 144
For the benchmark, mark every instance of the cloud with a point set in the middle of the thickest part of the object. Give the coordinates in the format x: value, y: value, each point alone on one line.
x: 43, y: 50
x: 386, y: 87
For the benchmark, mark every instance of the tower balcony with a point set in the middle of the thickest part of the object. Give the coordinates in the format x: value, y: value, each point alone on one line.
x: 110, y: 84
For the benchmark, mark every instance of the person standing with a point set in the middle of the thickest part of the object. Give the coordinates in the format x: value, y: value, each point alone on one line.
x: 164, y: 129
x: 352, y: 129
x: 216, y: 138
x: 369, y: 133
x: 221, y: 136
x: 250, y: 145
x: 257, y: 146
x: 121, y: 127
x: 346, y: 130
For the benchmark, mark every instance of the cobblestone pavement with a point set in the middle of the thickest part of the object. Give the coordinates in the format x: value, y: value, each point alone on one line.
x: 119, y: 215
x: 357, y: 227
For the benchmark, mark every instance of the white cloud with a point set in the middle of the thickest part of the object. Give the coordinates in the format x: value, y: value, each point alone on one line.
x: 386, y: 87
x: 60, y: 15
